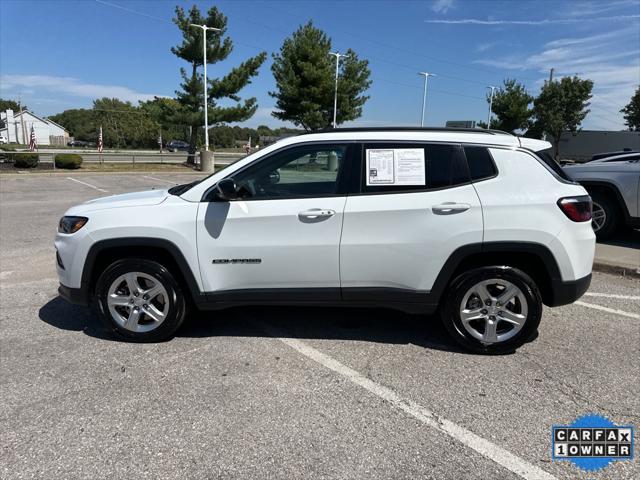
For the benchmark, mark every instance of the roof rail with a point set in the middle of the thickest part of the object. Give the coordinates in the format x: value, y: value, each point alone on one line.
x: 411, y: 129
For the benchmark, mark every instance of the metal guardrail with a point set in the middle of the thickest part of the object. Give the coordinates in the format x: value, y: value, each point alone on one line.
x: 134, y: 158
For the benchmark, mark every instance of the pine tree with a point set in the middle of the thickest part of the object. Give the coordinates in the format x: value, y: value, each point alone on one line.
x: 190, y: 96
x: 305, y: 79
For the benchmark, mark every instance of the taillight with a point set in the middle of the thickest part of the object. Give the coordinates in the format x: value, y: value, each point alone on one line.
x: 577, y: 209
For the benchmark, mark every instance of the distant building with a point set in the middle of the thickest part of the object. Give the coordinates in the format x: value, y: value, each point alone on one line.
x: 585, y: 143
x: 16, y: 126
x: 460, y: 124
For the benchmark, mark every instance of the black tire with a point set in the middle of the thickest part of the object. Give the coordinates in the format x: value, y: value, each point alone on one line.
x: 177, y: 303
x: 611, y: 211
x: 450, y: 310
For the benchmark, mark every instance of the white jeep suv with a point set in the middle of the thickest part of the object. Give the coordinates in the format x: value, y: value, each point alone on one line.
x: 469, y: 223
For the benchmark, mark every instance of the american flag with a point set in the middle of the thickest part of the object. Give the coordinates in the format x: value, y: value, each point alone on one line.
x: 32, y: 140
x: 100, y: 145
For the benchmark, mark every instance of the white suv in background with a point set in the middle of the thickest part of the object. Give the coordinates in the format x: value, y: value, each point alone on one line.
x: 469, y: 223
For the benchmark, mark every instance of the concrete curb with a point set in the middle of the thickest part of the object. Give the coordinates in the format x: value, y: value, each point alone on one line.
x: 624, y: 271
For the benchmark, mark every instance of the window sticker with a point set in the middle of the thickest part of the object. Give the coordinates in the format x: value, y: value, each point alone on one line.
x: 398, y: 166
x: 380, y: 167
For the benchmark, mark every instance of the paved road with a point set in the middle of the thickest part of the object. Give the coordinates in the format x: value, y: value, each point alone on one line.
x: 287, y: 392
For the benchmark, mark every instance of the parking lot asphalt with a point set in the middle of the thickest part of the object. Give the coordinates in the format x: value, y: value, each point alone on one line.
x: 288, y: 392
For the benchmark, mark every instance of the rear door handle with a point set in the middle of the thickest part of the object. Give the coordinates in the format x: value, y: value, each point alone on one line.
x: 316, y: 213
x: 450, y: 208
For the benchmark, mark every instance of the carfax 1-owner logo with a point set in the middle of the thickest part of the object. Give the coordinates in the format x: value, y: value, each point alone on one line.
x: 592, y: 442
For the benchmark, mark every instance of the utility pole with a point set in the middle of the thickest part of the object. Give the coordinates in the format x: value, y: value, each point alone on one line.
x: 24, y: 133
x: 206, y: 103
x: 338, y: 55
x: 490, y: 105
x: 424, y: 96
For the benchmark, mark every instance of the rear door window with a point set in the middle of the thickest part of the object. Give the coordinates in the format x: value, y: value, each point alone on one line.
x: 443, y: 166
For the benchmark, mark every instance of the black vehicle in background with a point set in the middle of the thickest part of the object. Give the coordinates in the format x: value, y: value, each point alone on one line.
x: 79, y: 143
x: 178, y: 146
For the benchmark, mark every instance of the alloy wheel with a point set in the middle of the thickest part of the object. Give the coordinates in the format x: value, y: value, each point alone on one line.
x: 598, y: 217
x: 138, y: 302
x: 493, y: 310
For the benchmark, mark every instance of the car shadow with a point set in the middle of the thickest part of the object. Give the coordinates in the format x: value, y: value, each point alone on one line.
x: 305, y: 323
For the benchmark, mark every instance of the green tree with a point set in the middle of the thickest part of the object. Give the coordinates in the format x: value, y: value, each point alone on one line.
x: 123, y: 124
x: 79, y: 122
x: 562, y: 106
x: 305, y: 75
x: 10, y: 105
x: 632, y: 112
x: 510, y: 107
x: 162, y: 112
x: 190, y: 95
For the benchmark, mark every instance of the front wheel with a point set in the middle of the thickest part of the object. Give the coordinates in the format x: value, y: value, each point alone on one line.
x: 139, y: 300
x: 492, y: 309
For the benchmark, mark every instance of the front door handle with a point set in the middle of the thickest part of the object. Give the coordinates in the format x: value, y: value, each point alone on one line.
x: 316, y: 213
x: 450, y: 208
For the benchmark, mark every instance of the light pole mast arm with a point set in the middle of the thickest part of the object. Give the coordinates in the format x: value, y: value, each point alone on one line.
x: 338, y: 55
x: 206, y: 100
x: 335, y: 95
x: 424, y: 95
x: 206, y: 103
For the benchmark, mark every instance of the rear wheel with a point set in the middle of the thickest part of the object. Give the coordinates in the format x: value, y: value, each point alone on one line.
x: 139, y: 300
x: 605, y: 215
x: 492, y: 309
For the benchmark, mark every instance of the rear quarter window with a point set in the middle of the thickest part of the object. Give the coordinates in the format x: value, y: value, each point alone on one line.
x: 480, y: 162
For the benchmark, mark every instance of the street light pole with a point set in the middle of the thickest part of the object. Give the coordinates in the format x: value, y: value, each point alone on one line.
x: 338, y: 55
x: 424, y: 96
x: 490, y: 105
x: 206, y: 107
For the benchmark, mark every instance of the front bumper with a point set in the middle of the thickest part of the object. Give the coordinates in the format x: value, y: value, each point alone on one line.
x: 77, y: 296
x: 566, y: 292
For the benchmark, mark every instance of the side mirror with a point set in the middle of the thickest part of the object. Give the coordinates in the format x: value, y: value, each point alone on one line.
x: 274, y: 177
x: 226, y: 190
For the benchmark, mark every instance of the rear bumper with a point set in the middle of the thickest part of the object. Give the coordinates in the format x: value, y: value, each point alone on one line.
x: 77, y: 296
x: 564, y: 293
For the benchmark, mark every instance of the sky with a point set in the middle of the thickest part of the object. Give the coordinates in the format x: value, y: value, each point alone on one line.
x: 57, y: 55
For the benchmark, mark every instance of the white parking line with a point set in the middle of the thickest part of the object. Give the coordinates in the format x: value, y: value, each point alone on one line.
x: 88, y: 185
x: 611, y: 295
x: 609, y: 310
x: 160, y: 179
x: 481, y: 445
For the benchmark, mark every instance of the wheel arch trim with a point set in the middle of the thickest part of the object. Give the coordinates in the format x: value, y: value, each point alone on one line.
x: 463, y: 253
x: 136, y: 242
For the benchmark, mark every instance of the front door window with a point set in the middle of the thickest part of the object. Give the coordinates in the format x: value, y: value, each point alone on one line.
x: 310, y: 171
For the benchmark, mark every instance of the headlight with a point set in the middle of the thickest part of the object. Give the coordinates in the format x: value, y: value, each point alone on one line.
x: 71, y: 224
